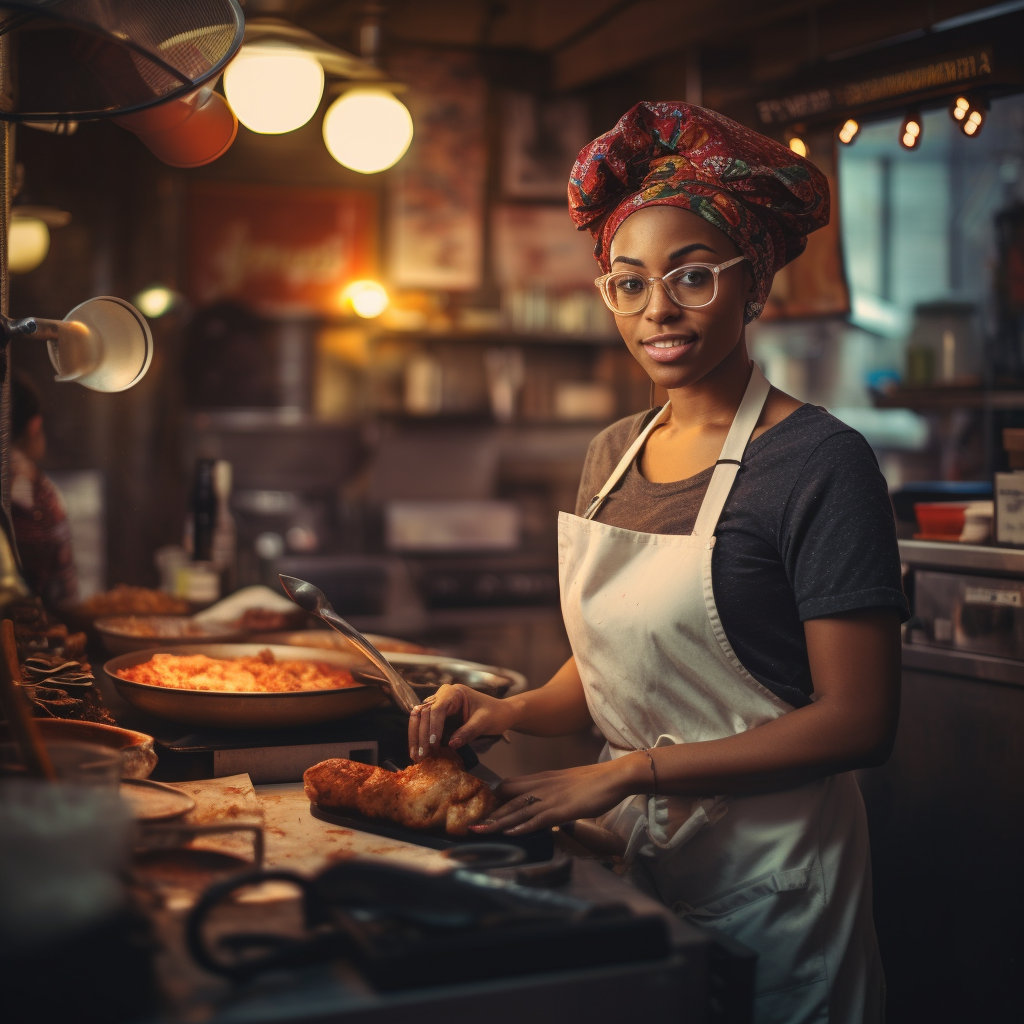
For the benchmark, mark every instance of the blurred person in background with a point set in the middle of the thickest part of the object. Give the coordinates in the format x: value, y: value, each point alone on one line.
x: 41, y: 526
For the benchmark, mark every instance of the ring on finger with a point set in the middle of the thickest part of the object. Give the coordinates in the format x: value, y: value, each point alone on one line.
x: 531, y: 799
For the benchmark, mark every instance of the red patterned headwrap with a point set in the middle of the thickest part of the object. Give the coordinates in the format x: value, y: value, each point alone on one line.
x: 759, y: 192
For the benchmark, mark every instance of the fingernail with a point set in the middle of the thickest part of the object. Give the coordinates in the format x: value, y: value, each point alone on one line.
x: 454, y: 743
x: 511, y: 831
x: 412, y: 751
x: 487, y: 821
x: 420, y: 754
x: 433, y: 738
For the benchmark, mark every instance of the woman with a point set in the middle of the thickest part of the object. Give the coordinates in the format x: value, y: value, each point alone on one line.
x: 730, y: 583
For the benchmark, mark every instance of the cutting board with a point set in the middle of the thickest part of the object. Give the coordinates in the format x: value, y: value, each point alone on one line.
x: 538, y: 846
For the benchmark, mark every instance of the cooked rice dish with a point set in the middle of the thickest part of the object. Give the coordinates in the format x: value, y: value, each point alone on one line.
x: 261, y: 673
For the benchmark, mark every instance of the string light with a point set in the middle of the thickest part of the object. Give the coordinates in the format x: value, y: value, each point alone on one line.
x: 910, y: 131
x: 849, y: 131
x: 968, y: 112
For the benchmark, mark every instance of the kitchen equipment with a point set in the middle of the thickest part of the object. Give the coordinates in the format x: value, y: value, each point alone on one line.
x: 75, y: 764
x: 153, y: 801
x: 138, y: 758
x: 940, y: 520
x: 33, y: 754
x: 404, y: 930
x: 123, y: 634
x: 980, y: 614
x: 214, y: 709
x: 538, y: 846
x: 328, y: 640
x: 312, y: 600
x: 426, y: 672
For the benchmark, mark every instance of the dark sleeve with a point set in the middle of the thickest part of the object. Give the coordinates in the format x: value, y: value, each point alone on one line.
x: 838, y: 535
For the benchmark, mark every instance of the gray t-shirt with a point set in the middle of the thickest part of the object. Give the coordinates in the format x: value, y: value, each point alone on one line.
x: 807, y: 531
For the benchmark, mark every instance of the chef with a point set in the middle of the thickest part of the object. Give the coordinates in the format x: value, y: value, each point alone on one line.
x: 730, y: 583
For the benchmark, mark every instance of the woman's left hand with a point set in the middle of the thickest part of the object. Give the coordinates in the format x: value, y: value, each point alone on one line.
x: 551, y: 798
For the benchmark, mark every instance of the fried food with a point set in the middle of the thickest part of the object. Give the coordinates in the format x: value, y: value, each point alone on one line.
x: 434, y: 794
x: 335, y: 783
x: 261, y: 673
x: 125, y: 600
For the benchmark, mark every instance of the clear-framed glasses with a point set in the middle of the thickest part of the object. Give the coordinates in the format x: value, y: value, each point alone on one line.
x: 696, y: 284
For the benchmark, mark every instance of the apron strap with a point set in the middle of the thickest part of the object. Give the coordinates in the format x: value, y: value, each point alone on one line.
x: 624, y: 463
x: 729, y: 461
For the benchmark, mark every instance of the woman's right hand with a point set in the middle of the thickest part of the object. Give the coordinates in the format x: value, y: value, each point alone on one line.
x: 481, y: 716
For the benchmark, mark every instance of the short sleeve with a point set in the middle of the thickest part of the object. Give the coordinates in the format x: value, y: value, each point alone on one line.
x: 838, y: 534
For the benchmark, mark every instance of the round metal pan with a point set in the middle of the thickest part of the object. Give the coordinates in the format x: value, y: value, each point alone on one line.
x: 213, y: 709
x: 418, y: 668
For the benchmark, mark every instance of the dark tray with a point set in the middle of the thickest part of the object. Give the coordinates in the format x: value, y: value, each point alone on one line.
x: 538, y: 846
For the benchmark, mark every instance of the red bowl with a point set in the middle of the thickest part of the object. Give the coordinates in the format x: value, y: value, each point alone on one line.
x: 940, y: 518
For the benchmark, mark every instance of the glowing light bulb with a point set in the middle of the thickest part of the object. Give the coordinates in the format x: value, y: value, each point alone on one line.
x: 913, y: 129
x: 272, y: 88
x: 367, y: 130
x: 798, y: 146
x: 155, y: 301
x: 367, y: 298
x: 28, y: 242
x: 848, y: 132
x: 960, y: 108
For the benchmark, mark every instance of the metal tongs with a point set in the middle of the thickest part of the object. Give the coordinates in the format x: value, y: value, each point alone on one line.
x: 312, y: 600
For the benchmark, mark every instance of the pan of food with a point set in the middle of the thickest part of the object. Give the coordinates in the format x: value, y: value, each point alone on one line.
x: 260, y: 686
x: 243, y: 686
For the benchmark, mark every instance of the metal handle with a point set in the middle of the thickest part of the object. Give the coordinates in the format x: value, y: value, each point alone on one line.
x: 398, y: 689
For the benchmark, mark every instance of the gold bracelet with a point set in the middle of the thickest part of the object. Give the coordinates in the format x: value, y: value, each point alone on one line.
x: 650, y: 757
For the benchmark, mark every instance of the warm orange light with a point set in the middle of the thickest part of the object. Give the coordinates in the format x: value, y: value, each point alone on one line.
x: 798, y: 146
x: 848, y: 132
x: 960, y: 107
x: 368, y: 298
x: 910, y: 131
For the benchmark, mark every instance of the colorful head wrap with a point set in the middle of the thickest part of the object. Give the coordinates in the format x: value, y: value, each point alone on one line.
x: 759, y: 192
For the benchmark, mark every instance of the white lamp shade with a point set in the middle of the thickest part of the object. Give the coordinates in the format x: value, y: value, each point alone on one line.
x: 28, y: 242
x: 273, y: 89
x: 367, y: 130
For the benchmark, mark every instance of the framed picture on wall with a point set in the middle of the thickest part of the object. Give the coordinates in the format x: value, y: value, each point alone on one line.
x: 540, y: 142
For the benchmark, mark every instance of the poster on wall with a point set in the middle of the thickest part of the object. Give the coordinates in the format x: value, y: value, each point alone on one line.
x: 277, y: 249
x: 814, y: 284
x: 436, y: 196
x: 536, y: 244
x: 541, y: 139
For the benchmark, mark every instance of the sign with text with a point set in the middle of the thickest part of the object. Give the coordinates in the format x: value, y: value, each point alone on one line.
x: 278, y: 250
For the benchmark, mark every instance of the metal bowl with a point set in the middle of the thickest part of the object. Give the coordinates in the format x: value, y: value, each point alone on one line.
x: 426, y: 672
x: 213, y: 709
x: 121, y: 634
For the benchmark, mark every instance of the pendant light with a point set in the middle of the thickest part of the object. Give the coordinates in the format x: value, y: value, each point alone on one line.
x: 273, y: 88
x: 276, y: 81
x: 368, y: 129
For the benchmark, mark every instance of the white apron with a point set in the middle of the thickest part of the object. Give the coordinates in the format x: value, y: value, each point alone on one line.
x: 787, y: 874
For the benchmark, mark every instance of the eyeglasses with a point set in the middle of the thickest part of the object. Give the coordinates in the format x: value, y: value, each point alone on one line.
x: 696, y: 284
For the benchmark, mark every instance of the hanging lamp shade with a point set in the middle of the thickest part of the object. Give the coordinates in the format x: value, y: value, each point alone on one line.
x: 88, y: 59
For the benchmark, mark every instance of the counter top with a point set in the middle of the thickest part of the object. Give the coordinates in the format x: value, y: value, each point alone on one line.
x: 679, y: 987
x: 950, y: 555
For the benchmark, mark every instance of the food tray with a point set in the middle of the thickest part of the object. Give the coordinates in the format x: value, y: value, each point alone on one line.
x: 538, y: 846
x: 217, y: 709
